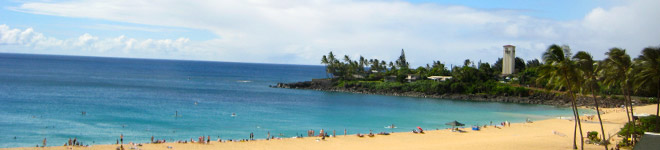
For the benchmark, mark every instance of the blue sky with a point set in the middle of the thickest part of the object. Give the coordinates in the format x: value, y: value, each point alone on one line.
x: 300, y: 32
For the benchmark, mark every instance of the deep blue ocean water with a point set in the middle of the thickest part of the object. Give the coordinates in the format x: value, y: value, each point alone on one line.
x: 43, y: 96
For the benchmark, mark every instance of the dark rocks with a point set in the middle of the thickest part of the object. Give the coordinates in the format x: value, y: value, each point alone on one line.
x: 545, y: 98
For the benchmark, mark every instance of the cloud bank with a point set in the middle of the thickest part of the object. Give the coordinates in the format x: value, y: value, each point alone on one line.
x: 300, y: 32
x: 31, y: 41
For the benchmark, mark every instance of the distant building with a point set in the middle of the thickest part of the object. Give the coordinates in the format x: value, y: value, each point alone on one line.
x: 357, y: 76
x: 412, y: 77
x: 509, y: 60
x: 439, y: 78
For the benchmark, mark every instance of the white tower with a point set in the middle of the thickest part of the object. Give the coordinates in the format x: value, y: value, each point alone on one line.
x: 509, y: 60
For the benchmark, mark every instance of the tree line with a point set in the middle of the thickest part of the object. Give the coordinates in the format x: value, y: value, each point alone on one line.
x: 574, y: 74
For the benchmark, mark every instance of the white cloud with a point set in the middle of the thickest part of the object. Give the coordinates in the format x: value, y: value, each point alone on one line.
x: 31, y: 41
x: 297, y: 31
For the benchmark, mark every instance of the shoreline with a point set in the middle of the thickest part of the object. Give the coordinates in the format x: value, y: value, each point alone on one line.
x: 541, y: 134
x: 535, y: 96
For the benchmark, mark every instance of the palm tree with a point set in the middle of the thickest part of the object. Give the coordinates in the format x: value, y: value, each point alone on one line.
x: 362, y: 63
x: 616, y: 71
x: 330, y: 63
x: 559, y: 70
x: 649, y: 71
x: 585, y: 64
x: 325, y: 61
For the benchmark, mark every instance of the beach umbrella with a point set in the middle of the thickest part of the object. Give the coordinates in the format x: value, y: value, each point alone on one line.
x: 454, y: 123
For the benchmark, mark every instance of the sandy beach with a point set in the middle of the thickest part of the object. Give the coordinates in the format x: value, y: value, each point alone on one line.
x: 542, y: 134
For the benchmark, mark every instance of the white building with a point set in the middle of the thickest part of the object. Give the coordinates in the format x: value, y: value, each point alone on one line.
x: 509, y: 60
x: 439, y: 78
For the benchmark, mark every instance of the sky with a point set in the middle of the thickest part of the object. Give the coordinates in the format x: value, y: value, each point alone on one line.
x: 302, y: 31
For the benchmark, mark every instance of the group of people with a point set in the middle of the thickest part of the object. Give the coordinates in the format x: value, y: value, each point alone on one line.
x: 506, y: 123
x: 71, y: 142
x: 310, y: 133
x: 74, y: 142
x: 371, y: 134
x: 157, y: 141
x: 202, y: 140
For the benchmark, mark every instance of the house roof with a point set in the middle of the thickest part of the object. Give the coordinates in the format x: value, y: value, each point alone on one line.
x: 439, y: 77
x: 648, y: 141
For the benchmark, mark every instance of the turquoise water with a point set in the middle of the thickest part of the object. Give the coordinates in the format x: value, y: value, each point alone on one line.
x: 44, y: 96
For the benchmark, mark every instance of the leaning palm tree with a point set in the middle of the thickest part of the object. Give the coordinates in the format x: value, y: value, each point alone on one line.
x: 588, y: 69
x: 324, y: 61
x: 561, y: 72
x: 648, y: 73
x: 616, y: 72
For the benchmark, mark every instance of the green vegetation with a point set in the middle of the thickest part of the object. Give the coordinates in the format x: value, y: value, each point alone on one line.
x: 617, y: 77
x: 490, y: 87
x: 645, y: 124
x: 468, y: 79
x: 593, y: 136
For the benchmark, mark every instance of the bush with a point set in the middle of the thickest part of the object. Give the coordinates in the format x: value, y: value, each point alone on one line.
x: 593, y: 136
x: 490, y: 87
x: 647, y: 124
x: 627, y: 130
x: 457, y: 87
x: 650, y: 123
x: 649, y: 100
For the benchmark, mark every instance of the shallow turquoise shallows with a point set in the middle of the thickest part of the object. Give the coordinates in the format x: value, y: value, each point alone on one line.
x: 97, y: 99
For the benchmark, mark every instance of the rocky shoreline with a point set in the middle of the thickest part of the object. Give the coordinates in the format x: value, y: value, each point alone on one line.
x: 544, y: 98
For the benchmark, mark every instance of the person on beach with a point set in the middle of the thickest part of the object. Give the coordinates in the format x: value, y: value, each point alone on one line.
x: 321, y: 133
x: 268, y: 137
x: 333, y: 133
x: 208, y: 139
x: 251, y: 135
x: 70, y: 142
x: 121, y: 139
x: 344, y: 131
x: 152, y: 139
x: 44, y: 145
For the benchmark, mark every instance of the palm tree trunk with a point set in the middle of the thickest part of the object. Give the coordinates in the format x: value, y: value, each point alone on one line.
x: 576, y: 116
x: 657, y: 100
x: 574, y: 129
x: 579, y: 122
x: 625, y: 103
x: 632, y: 114
x: 602, y: 130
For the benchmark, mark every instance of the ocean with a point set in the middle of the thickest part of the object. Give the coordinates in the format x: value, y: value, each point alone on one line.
x: 96, y: 99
